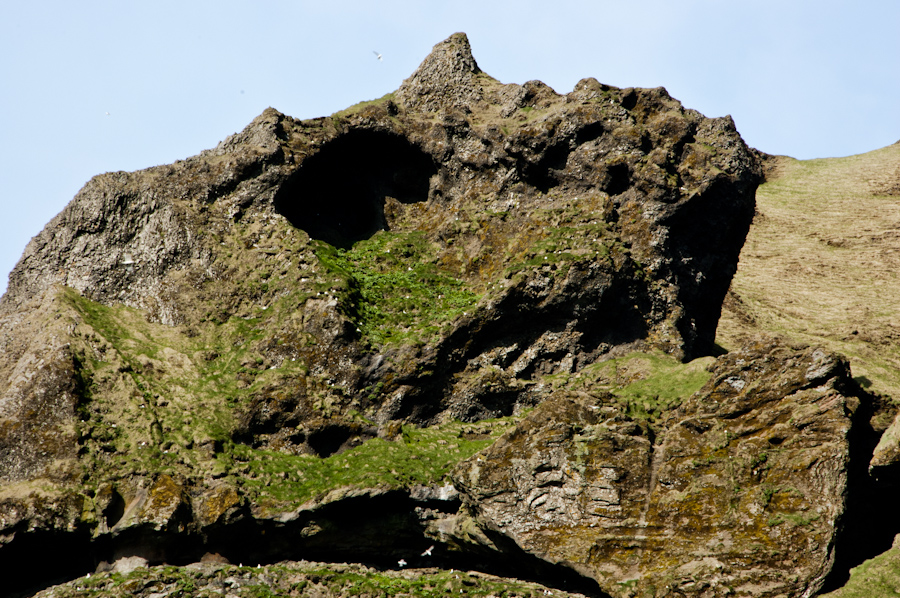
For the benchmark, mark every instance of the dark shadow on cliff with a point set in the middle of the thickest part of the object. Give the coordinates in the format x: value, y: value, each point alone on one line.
x: 871, y: 519
x: 337, y: 195
x: 706, y: 237
x: 376, y: 531
x: 602, y: 314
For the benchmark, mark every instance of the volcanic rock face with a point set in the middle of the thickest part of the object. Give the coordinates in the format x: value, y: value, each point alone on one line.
x: 303, y: 331
x: 742, y: 483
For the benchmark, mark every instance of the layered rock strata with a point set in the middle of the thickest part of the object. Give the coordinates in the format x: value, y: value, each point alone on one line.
x: 739, y: 491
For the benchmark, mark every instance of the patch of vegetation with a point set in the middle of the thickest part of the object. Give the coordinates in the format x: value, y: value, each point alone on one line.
x: 562, y: 245
x: 393, y: 289
x: 418, y: 456
x: 362, y: 105
x: 427, y: 585
x: 158, y: 398
x: 645, y: 384
x: 668, y: 383
x: 795, y: 519
x: 878, y: 576
x: 295, y: 579
x: 177, y: 581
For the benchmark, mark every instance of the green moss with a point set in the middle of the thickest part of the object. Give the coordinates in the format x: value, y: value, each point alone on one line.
x: 393, y: 289
x: 879, y: 576
x: 419, y: 456
x: 645, y: 384
x: 795, y: 519
x: 296, y: 579
x: 362, y: 105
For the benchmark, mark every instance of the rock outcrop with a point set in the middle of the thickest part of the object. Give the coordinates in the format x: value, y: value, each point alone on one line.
x: 738, y: 491
x: 300, y: 334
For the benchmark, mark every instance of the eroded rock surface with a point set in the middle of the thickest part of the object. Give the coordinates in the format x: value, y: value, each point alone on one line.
x: 739, y: 491
x: 323, y: 311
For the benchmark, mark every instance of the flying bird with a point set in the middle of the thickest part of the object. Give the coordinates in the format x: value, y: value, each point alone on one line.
x: 428, y: 551
x: 377, y: 54
x: 401, y: 562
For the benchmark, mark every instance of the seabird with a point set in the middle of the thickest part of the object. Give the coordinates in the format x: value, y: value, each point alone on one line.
x: 428, y: 551
x: 401, y: 562
x: 377, y: 54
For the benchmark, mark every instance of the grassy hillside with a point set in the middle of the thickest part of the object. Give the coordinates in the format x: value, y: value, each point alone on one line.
x: 821, y: 265
x: 822, y: 262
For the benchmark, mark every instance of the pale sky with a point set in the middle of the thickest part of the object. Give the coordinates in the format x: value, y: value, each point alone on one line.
x: 801, y: 78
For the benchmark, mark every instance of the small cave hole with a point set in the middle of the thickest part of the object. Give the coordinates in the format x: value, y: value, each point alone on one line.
x: 619, y: 178
x: 629, y: 101
x: 336, y: 438
x: 338, y: 194
x: 115, y: 510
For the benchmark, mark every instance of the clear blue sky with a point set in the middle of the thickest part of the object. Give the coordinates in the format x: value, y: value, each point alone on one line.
x: 802, y: 78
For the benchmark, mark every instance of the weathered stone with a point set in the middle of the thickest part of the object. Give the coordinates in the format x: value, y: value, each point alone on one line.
x: 127, y: 564
x: 886, y: 458
x: 504, y: 235
x: 737, y: 491
x: 42, y: 384
x: 216, y: 505
x: 161, y: 506
x: 445, y: 80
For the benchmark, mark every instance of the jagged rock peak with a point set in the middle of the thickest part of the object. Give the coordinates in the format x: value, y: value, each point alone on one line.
x: 265, y: 132
x: 446, y: 78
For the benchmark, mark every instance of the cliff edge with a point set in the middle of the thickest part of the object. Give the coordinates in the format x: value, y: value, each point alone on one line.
x: 320, y: 329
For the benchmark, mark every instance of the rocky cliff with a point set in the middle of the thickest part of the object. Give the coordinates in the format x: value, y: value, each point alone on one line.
x: 458, y: 326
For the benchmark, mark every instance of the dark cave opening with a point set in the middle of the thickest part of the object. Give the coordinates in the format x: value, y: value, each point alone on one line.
x: 335, y: 438
x: 337, y: 195
x: 375, y: 531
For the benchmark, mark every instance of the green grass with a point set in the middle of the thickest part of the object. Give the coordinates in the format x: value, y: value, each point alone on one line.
x: 419, y: 456
x: 361, y: 105
x: 393, y: 289
x: 154, y: 400
x: 874, y: 578
x: 645, y: 384
x: 295, y: 579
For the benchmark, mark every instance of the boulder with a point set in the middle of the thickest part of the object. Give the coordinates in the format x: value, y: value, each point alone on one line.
x: 738, y: 491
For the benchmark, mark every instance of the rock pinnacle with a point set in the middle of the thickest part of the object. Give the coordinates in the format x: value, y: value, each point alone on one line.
x: 447, y: 78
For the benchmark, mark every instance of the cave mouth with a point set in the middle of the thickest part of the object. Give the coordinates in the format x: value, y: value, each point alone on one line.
x: 337, y: 195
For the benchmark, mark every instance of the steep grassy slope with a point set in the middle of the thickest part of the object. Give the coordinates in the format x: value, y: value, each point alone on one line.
x: 821, y: 264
